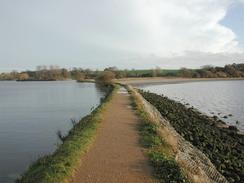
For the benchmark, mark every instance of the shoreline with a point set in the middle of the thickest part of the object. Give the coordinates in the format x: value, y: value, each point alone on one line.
x: 60, y: 165
x: 187, y: 156
x: 203, y: 133
x: 140, y: 82
x: 86, y: 81
x: 169, y: 80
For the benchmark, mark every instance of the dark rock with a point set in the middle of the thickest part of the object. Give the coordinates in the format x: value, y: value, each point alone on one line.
x: 233, y: 128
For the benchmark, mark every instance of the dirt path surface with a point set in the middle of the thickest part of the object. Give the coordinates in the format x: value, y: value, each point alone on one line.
x: 116, y: 155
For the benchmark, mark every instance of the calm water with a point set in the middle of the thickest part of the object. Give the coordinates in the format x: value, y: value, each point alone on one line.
x: 30, y: 115
x: 219, y: 98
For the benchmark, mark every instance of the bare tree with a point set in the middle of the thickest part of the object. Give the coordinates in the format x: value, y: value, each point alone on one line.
x: 23, y: 76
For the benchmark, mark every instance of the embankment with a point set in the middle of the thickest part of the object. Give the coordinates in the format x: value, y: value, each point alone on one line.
x: 116, y: 155
x: 60, y: 166
x: 192, y: 161
x: 224, y: 147
x: 158, y: 150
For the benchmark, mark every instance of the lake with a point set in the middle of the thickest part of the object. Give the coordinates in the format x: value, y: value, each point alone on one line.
x: 224, y: 99
x: 31, y: 113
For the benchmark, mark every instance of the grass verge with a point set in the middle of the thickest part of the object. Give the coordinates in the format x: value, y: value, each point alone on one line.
x: 59, y: 166
x: 160, y: 154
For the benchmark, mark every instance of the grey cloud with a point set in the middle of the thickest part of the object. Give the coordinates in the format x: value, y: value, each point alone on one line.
x: 124, y: 33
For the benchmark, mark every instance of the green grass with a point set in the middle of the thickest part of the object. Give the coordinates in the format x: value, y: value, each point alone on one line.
x: 59, y: 166
x: 159, y: 153
x: 148, y: 72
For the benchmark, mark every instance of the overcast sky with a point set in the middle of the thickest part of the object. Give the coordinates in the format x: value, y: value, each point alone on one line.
x: 123, y: 33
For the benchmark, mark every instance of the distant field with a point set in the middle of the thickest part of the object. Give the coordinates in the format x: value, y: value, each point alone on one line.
x: 148, y: 72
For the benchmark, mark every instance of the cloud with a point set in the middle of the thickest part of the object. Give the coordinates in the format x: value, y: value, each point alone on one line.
x: 95, y: 33
x: 190, y: 59
x: 175, y: 26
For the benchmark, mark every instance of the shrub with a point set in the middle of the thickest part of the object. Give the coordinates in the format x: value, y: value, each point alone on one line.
x: 106, y: 77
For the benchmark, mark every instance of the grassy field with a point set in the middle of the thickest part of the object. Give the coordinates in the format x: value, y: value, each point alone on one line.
x: 148, y: 72
x: 59, y: 166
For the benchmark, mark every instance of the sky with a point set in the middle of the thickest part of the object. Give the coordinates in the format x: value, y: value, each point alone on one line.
x: 127, y: 34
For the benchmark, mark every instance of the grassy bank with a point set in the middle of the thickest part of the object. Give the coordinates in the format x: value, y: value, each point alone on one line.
x: 224, y: 147
x: 60, y: 166
x: 86, y: 81
x: 160, y: 154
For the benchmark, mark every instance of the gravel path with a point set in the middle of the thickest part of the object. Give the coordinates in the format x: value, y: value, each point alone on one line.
x: 116, y: 155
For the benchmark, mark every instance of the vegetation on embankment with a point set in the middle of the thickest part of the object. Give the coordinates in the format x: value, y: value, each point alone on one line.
x: 160, y: 154
x: 86, y: 81
x: 59, y: 166
x: 224, y: 147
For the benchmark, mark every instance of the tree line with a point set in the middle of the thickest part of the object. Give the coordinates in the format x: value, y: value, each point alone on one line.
x: 49, y: 73
x: 53, y: 73
x: 228, y: 71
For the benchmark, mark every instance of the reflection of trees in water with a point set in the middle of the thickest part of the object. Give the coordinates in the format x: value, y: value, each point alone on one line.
x: 104, y: 90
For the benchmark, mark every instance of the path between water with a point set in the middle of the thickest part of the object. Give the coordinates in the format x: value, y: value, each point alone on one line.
x: 116, y: 155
